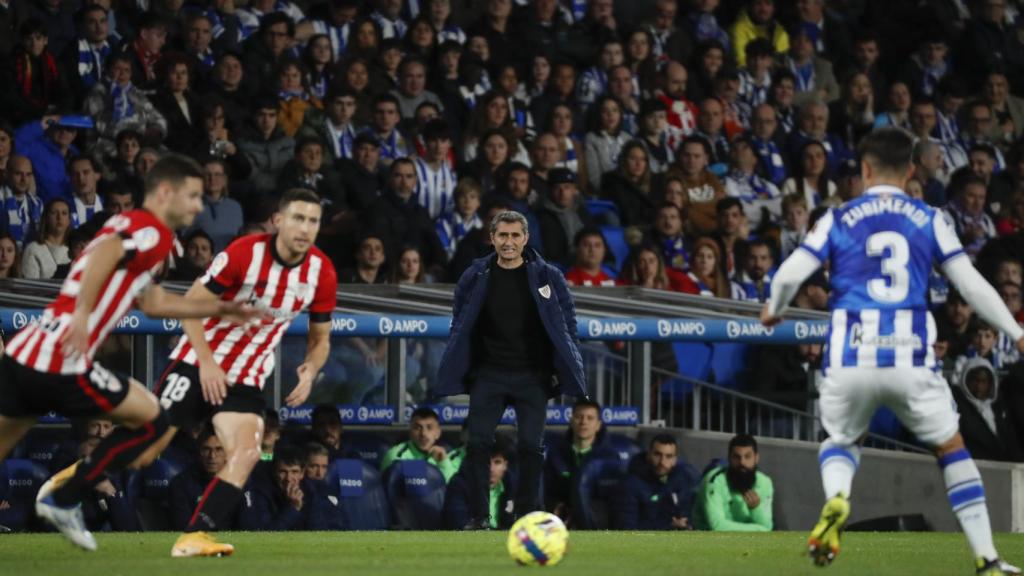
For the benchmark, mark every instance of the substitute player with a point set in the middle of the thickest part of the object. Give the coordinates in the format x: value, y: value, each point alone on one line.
x: 881, y: 248
x: 49, y: 365
x: 219, y: 366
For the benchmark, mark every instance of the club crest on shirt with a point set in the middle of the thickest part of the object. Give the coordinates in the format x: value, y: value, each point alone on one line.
x: 545, y: 291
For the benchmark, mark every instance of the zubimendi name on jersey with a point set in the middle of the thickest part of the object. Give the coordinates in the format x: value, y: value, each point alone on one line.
x: 886, y: 205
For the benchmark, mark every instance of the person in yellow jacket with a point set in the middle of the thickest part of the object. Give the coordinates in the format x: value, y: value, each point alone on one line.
x: 757, y: 20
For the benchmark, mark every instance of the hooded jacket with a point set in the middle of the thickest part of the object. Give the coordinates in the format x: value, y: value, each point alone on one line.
x: 647, y: 502
x: 557, y: 312
x: 984, y: 423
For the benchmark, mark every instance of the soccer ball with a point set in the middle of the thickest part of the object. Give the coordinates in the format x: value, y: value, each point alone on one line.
x: 538, y: 539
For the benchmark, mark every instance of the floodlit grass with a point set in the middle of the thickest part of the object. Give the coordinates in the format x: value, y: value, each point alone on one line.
x: 483, y: 553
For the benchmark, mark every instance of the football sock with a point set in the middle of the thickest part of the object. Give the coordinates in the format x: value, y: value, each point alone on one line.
x: 967, y: 498
x: 113, y: 453
x: 838, y: 465
x: 219, y: 500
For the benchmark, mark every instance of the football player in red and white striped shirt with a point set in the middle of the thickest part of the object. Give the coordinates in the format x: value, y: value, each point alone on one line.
x: 49, y: 365
x: 220, y: 366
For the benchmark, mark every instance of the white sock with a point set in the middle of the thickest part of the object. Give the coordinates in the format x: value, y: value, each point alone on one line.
x: 967, y: 497
x: 838, y: 465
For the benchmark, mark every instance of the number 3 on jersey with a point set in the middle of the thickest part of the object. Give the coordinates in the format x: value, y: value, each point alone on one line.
x: 894, y: 286
x: 177, y: 387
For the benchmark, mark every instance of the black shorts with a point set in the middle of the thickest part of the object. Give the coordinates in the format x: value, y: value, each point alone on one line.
x: 181, y: 396
x: 25, y: 392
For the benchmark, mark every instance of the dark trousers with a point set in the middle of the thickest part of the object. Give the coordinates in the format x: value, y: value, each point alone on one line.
x: 490, y: 394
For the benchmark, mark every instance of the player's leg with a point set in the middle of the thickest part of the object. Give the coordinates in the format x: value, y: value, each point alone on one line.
x: 927, y: 410
x: 240, y: 433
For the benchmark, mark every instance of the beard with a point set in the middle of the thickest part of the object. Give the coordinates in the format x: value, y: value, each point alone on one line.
x: 740, y: 479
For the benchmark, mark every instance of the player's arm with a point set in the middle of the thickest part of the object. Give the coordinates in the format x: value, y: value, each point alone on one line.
x: 318, y: 345
x: 211, y: 377
x: 156, y: 302
x: 103, y: 260
x: 982, y: 297
x: 786, y: 283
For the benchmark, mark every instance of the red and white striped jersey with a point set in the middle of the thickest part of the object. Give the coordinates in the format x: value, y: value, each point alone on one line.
x: 147, y: 243
x: 249, y: 270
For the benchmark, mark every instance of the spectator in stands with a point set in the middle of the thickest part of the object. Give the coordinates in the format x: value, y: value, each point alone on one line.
x: 782, y: 97
x: 561, y: 215
x: 307, y: 170
x: 641, y: 60
x: 84, y: 58
x: 545, y: 156
x: 710, y: 127
x: 708, y: 62
x: 703, y: 24
x: 589, y: 269
x: 682, y: 112
x: 923, y: 121
x: 657, y: 493
x: 327, y: 429
x: 316, y: 462
x: 585, y: 440
x: 981, y: 124
x: 49, y: 250
x: 645, y: 267
x: 198, y: 255
x: 703, y: 189
x: 229, y: 82
x: 118, y: 200
x: 732, y: 234
x: 34, y: 80
x: 386, y: 117
x: 757, y: 21
x: 632, y: 186
x: 85, y: 173
x: 22, y: 209
x: 221, y: 217
x: 435, y: 179
x: 761, y: 198
x: 492, y: 113
x: 984, y: 421
x: 928, y: 65
x: 371, y: 262
x: 956, y: 318
x: 48, y: 144
x: 412, y: 87
x: 197, y: 40
x: 10, y: 257
x: 398, y: 219
x: 853, y: 115
x: 707, y: 271
x: 593, y: 82
x: 145, y: 51
x: 928, y: 171
x: 287, y: 502
x: 266, y: 145
x: 500, y: 496
x: 812, y: 124
x: 669, y: 236
x: 811, y: 177
x: 755, y: 76
x: 755, y: 278
x: 658, y: 137
x: 768, y: 143
x: 454, y: 226
x: 560, y: 91
x: 294, y: 98
x: 478, y: 243
x: 335, y: 125
x: 670, y: 43
x: 179, y: 105
x: 264, y: 52
x: 1007, y: 108
x: 988, y: 44
x: 737, y: 496
x: 826, y: 30
x: 795, y: 214
x: 187, y: 487
x: 967, y: 210
x: 363, y: 175
x: 120, y: 105
x: 605, y: 140
x: 488, y: 166
x: 815, y: 79
x: 423, y: 444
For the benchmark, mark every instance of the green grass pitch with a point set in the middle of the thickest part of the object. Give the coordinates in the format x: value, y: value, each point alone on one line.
x: 483, y: 553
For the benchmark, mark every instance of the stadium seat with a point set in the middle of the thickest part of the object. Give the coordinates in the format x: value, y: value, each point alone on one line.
x: 415, y: 491
x: 626, y: 448
x: 149, y: 490
x: 20, y: 480
x: 694, y: 361
x: 615, y: 237
x: 361, y: 497
x: 596, y: 486
x: 730, y: 363
x: 597, y: 208
x: 369, y: 448
x: 43, y: 445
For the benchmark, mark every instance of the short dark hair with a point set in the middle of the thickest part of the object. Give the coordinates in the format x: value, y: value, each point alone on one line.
x: 424, y: 413
x: 664, y: 440
x: 32, y: 26
x: 327, y: 412
x: 888, y: 149
x: 304, y: 141
x: 728, y: 202
x: 436, y: 129
x: 588, y: 231
x: 288, y: 455
x: 297, y: 195
x: 695, y: 139
x: 172, y: 169
x: 586, y: 403
x: 92, y: 160
x: 275, y: 18
x: 316, y: 449
x: 983, y: 147
x: 198, y: 234
x: 743, y: 441
x: 386, y: 97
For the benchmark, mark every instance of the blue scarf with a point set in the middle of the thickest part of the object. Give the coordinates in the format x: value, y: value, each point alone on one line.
x: 121, y: 104
x: 770, y: 160
x: 22, y: 215
x: 675, y: 253
x: 804, y: 75
x: 90, y: 62
x: 288, y: 95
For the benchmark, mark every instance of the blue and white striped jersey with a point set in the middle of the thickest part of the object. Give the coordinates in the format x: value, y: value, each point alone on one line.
x: 435, y: 189
x: 881, y: 248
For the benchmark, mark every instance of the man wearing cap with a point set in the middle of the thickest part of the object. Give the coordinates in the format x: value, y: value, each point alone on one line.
x: 513, y: 342
x: 561, y: 216
x: 48, y: 144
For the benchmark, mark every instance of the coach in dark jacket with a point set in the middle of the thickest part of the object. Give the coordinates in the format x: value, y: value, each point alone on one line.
x: 513, y: 341
x: 657, y: 494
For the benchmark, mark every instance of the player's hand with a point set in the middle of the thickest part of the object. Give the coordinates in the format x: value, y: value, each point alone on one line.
x: 680, y: 523
x: 75, y: 341
x: 106, y: 488
x: 303, y: 387
x: 49, y: 120
x: 294, y: 494
x: 214, y: 383
x: 242, y: 313
x: 767, y: 318
x: 438, y: 453
x: 752, y: 499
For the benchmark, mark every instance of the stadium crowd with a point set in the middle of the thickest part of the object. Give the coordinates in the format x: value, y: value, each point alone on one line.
x: 675, y: 145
